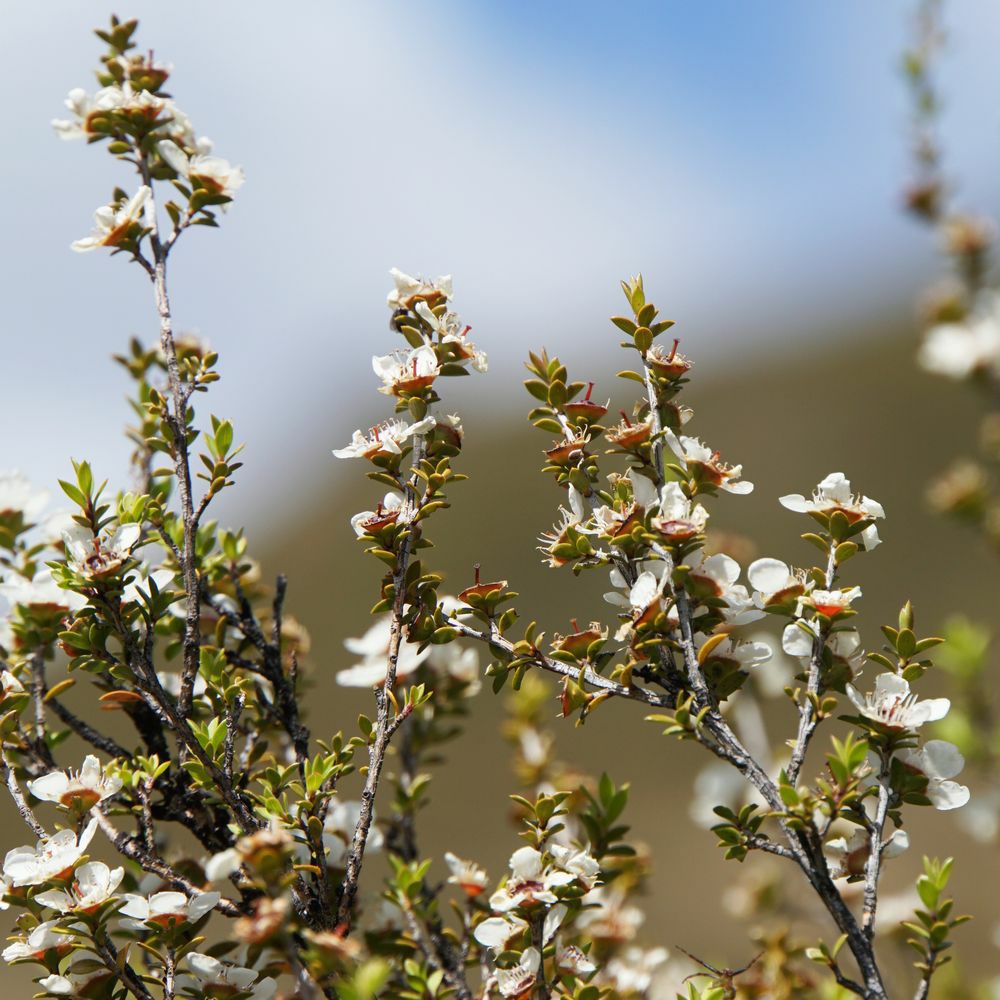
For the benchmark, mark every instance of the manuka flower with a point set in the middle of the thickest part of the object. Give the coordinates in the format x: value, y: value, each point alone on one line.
x: 775, y: 583
x: 467, y: 875
x: 373, y: 647
x: 405, y: 373
x: 116, y: 224
x: 76, y: 790
x: 518, y: 982
x: 53, y: 857
x: 893, y: 706
x: 388, y: 512
x: 19, y: 497
x: 705, y: 468
x: 938, y: 761
x: 560, y: 545
x: 218, y: 979
x: 338, y: 831
x: 45, y: 937
x: 384, y: 439
x: 41, y: 593
x: 958, y: 350
x: 89, y: 110
x: 202, y: 170
x: 679, y: 519
x: 409, y: 291
x: 168, y: 909
x: 830, y: 603
x: 94, y: 556
x: 94, y: 883
x: 834, y: 495
x: 799, y: 638
x: 849, y: 855
x: 530, y: 882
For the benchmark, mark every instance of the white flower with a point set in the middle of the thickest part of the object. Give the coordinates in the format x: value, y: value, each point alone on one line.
x: 74, y: 984
x: 938, y: 761
x: 94, y: 556
x: 409, y: 289
x: 41, y: 593
x: 529, y: 882
x: 18, y: 496
x: 703, y: 464
x: 799, y: 636
x: 139, y: 587
x: 406, y: 371
x: 211, y: 972
x: 716, y: 576
x: 679, y: 518
x: 386, y: 438
x: 112, y: 223
x: 849, y: 855
x: 43, y: 938
x: 86, y: 108
x: 94, y: 883
x: 571, y: 519
x: 632, y: 971
x: 518, y: 982
x: 209, y: 173
x: 718, y: 784
x: 166, y: 908
x: 79, y: 790
x: 958, y: 350
x: 338, y: 831
x: 467, y: 875
x: 893, y: 706
x: 53, y: 857
x: 578, y: 863
x: 456, y: 663
x: 373, y: 647
x: 834, y: 494
x: 829, y: 602
x: 496, y: 933
x: 572, y: 961
x: 774, y: 582
x: 611, y: 919
x: 388, y: 512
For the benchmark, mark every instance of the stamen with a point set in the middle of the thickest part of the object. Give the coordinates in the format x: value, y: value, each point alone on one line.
x: 673, y: 353
x: 590, y: 389
x: 476, y: 568
x: 628, y: 423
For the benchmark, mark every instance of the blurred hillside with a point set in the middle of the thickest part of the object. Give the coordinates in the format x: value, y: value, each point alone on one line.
x: 854, y: 404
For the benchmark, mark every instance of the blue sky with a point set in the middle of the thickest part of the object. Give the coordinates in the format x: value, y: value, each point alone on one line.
x: 747, y: 157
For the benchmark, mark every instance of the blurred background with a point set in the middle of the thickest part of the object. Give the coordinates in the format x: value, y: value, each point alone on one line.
x: 746, y: 158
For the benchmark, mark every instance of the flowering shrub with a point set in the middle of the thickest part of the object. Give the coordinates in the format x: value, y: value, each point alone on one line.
x: 241, y: 868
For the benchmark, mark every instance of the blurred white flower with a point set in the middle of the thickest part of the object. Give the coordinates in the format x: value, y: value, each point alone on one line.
x: 210, y: 972
x: 938, y: 761
x: 467, y: 875
x: 338, y: 831
x: 848, y: 856
x: 958, y: 350
x: 209, y: 173
x: 18, y: 496
x: 373, y: 647
x: 112, y: 223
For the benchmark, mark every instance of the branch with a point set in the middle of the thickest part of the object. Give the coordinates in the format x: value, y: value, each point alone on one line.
x: 27, y: 814
x: 130, y: 846
x: 807, y: 709
x: 874, y: 862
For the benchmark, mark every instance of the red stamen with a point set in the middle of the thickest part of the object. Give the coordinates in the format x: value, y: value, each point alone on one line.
x: 414, y: 367
x: 590, y: 389
x: 673, y: 353
x: 465, y: 331
x: 476, y: 568
x: 576, y: 627
x: 628, y: 423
